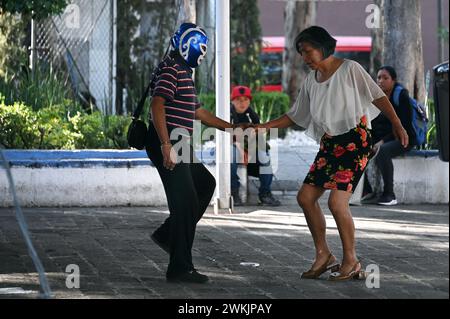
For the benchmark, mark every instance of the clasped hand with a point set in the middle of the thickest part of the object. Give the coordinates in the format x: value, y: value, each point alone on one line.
x: 170, y: 156
x: 256, y: 128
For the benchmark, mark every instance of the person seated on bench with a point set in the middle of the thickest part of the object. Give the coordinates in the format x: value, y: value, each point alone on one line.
x: 241, y: 112
x: 386, y: 146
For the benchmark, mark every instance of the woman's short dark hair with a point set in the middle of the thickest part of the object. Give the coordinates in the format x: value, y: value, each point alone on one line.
x: 319, y: 38
x: 389, y: 69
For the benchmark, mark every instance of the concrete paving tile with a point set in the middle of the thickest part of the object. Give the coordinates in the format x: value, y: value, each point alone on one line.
x: 118, y: 260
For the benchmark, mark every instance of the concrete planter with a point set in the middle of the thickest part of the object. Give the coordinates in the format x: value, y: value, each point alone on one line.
x: 128, y: 178
x: 82, y: 178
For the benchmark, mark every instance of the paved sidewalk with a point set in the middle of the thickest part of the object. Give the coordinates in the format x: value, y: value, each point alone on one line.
x: 117, y: 259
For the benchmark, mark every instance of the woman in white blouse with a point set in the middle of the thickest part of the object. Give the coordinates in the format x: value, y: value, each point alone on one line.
x: 335, y: 105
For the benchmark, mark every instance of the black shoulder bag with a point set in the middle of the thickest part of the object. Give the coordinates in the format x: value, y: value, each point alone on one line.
x: 137, y: 131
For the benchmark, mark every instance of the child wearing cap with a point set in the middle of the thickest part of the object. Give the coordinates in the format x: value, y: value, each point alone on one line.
x: 241, y: 113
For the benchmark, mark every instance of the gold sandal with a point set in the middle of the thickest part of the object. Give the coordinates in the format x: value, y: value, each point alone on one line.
x: 355, y: 273
x: 330, y: 264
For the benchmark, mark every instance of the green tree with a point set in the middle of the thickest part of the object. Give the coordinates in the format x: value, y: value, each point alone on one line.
x: 13, y: 51
x: 15, y: 17
x: 143, y: 32
x: 298, y: 15
x: 246, y: 42
x: 38, y: 9
x: 402, y: 43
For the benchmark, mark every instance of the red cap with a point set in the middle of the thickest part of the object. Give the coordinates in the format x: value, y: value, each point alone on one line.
x: 241, y: 90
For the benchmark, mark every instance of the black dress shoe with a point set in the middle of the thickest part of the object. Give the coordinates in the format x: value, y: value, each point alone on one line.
x: 191, y: 276
x: 268, y: 199
x: 164, y: 246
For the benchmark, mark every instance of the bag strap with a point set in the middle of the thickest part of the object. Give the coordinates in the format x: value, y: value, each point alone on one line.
x: 398, y: 89
x: 140, y: 106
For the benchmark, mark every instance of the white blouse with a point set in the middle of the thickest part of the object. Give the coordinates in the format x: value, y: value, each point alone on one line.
x: 336, y: 105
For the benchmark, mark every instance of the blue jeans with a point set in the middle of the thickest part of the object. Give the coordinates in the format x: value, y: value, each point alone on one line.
x: 265, y: 179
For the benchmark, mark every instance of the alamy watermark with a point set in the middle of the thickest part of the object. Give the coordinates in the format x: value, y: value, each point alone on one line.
x: 246, y: 146
x: 373, y: 20
x: 72, y: 19
x: 73, y: 277
x: 372, y: 276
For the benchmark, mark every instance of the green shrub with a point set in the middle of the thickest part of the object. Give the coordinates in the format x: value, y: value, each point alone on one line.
x: 43, y: 88
x: 115, y: 128
x: 67, y: 126
x: 19, y: 126
x: 56, y: 131
x: 89, y: 128
x: 100, y: 131
x: 431, y: 142
x: 208, y: 102
x: 268, y: 105
x: 63, y: 126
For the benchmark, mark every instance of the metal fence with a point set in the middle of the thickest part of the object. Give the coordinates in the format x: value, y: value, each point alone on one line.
x: 81, y: 43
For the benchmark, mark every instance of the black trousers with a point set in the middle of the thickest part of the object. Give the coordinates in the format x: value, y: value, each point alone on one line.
x: 189, y: 188
x: 387, y: 152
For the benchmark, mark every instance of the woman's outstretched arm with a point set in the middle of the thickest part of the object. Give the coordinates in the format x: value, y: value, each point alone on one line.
x: 388, y: 110
x: 281, y: 122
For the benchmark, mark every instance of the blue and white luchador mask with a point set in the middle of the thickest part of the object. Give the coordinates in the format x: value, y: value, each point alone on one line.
x: 191, y: 42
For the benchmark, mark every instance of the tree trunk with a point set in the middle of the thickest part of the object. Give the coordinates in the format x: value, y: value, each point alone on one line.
x: 205, y: 76
x: 187, y: 11
x: 298, y: 16
x: 398, y: 43
x: 403, y: 44
x: 376, y: 55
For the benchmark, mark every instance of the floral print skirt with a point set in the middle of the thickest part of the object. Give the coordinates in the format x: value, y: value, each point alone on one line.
x: 341, y: 160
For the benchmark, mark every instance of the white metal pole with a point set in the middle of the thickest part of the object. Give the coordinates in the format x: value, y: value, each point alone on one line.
x: 223, y: 139
x: 33, y: 46
x: 114, y: 57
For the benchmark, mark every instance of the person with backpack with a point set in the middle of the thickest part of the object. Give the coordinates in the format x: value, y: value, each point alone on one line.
x: 385, y: 145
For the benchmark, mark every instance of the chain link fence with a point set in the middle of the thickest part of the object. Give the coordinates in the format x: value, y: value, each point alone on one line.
x: 80, y: 44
